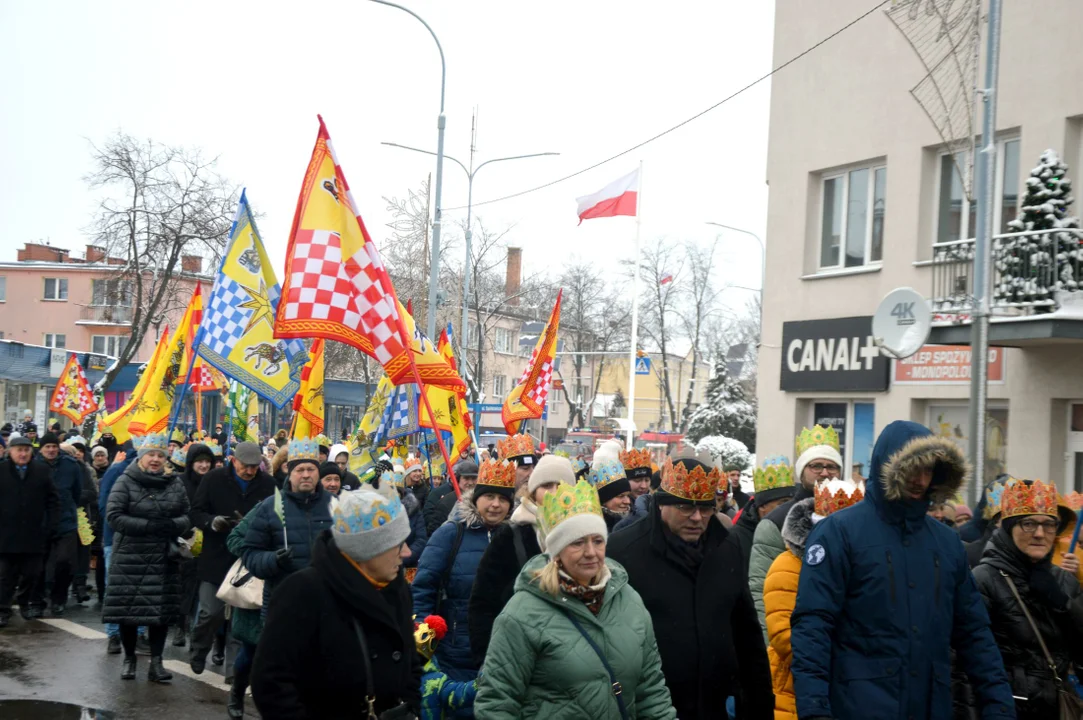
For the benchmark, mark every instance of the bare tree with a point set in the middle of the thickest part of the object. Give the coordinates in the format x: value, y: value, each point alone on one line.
x: 698, y: 301
x: 660, y: 269
x: 159, y: 203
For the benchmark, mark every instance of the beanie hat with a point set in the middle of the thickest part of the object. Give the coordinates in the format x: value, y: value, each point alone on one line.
x: 551, y: 469
x: 17, y: 440
x: 817, y: 442
x: 366, y: 523
x: 568, y: 513
x: 496, y: 477
x: 49, y: 439
x: 329, y: 468
x: 609, y: 479
x: 98, y: 450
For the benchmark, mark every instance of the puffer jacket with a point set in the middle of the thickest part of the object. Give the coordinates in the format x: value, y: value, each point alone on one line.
x: 144, y: 586
x: 540, y: 666
x: 1062, y: 629
x: 418, y: 538
x: 305, y: 516
x: 105, y: 488
x: 767, y: 544
x: 885, y: 594
x: 779, y: 597
x: 641, y: 508
x: 453, y: 652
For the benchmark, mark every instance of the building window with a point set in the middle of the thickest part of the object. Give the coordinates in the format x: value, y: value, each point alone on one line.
x: 472, y: 336
x: 855, y: 422
x: 500, y: 386
x: 108, y: 292
x: 56, y: 341
x: 502, y: 341
x: 56, y: 288
x: 852, y: 218
x: 112, y: 345
x: 3, y: 288
x: 956, y: 215
x: 952, y: 421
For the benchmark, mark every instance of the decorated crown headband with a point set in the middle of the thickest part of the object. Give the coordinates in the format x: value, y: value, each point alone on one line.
x: 497, y: 473
x: 215, y: 448
x: 636, y: 459
x: 1029, y: 498
x: 179, y: 457
x: 304, y: 449
x: 360, y: 511
x: 516, y: 446
x: 567, y: 501
x: 834, y: 495
x: 177, y: 436
x: 776, y: 473
x: 323, y: 441
x: 695, y: 485
x: 816, y: 435
x: 606, y: 472
x: 993, y: 495
x: 151, y: 441
x: 579, y: 466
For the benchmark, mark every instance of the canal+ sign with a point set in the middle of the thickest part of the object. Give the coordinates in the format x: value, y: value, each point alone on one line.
x: 837, y: 355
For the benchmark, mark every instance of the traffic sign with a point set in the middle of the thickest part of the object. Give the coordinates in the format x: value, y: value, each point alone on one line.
x: 643, y: 366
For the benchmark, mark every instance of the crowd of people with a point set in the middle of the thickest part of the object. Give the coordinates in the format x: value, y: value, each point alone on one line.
x: 539, y: 585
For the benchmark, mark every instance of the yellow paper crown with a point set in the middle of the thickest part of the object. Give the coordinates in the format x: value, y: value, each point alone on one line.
x: 816, y: 435
x: 776, y: 473
x: 834, y: 495
x: 497, y: 473
x: 516, y: 446
x: 566, y: 501
x: 695, y: 485
x: 1034, y: 498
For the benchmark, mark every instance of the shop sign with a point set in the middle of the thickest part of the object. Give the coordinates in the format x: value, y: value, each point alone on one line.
x: 945, y: 365
x: 832, y: 355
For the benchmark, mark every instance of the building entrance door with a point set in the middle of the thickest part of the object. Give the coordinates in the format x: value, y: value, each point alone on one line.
x: 1074, y: 448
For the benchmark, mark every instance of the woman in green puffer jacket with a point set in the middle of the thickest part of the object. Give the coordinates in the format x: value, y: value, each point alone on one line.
x: 539, y: 662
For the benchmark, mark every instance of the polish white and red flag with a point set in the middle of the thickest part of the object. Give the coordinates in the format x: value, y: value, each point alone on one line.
x: 619, y: 197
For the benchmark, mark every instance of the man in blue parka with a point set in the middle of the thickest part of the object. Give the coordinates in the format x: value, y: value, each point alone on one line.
x: 886, y: 594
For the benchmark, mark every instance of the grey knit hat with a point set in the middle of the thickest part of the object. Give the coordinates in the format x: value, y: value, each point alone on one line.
x: 551, y: 469
x: 366, y: 523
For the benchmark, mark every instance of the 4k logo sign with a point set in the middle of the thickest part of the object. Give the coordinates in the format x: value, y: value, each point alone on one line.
x: 903, y: 313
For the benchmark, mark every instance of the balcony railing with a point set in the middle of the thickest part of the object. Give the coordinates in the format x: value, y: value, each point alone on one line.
x: 106, y: 314
x: 1031, y: 272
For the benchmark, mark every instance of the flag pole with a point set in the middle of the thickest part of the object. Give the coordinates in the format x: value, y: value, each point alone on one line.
x: 635, y: 316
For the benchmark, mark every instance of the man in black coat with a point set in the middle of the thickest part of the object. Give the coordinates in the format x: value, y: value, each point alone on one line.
x: 441, y: 500
x: 690, y: 580
x: 224, y: 496
x: 29, y: 513
x: 345, y: 618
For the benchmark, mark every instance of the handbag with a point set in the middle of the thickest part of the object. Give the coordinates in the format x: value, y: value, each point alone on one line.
x: 617, y: 689
x: 1068, y: 702
x: 241, y: 589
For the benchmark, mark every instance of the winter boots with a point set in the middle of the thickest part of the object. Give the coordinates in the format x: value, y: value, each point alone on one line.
x: 156, y: 672
x: 235, y: 707
x: 127, y: 671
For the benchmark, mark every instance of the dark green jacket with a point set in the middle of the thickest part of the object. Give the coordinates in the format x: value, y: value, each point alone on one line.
x: 246, y: 625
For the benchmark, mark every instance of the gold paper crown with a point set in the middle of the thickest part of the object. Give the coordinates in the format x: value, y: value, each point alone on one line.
x: 817, y: 435
x: 516, y: 446
x: 775, y: 474
x: 497, y: 473
x: 177, y: 436
x: 567, y: 501
x: 694, y: 486
x: 1021, y: 498
x: 834, y: 495
x: 636, y: 459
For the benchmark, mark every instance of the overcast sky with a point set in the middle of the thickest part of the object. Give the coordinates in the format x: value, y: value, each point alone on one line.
x: 245, y: 80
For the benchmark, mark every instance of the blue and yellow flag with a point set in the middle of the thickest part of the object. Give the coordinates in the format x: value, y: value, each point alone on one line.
x: 237, y: 332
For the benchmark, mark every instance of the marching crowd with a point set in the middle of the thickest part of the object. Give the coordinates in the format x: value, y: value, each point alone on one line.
x: 544, y: 586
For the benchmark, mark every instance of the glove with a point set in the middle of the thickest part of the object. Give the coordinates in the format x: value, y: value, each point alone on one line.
x: 221, y: 524
x: 399, y: 712
x: 1043, y: 583
x: 283, y: 557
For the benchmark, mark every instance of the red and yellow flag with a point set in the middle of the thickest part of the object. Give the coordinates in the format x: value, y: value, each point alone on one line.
x: 448, y: 407
x: 72, y: 396
x: 118, y: 422
x: 336, y: 286
x: 527, y: 399
x: 152, y: 413
x: 308, y: 402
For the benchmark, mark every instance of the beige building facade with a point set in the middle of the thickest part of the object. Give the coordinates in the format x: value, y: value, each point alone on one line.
x: 864, y: 199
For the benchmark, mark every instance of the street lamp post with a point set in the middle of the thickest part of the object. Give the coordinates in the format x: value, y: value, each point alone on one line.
x: 434, y: 266
x: 763, y: 263
x: 471, y: 173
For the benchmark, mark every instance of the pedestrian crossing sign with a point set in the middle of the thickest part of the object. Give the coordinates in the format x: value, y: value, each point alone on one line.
x: 643, y: 366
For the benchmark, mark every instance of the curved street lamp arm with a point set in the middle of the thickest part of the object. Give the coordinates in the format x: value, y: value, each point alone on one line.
x: 427, y: 152
x: 512, y: 157
x: 443, y: 64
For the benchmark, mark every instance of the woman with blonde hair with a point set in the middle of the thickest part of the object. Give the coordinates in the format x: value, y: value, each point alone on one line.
x: 575, y: 641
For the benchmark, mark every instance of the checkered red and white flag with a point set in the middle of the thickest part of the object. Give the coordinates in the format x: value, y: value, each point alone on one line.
x: 72, y: 396
x: 527, y: 399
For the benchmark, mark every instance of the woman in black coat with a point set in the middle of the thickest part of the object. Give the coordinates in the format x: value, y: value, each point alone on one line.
x: 1020, y: 556
x: 198, y: 462
x: 147, y: 510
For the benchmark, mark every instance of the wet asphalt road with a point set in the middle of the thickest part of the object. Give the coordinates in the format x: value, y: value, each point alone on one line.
x: 40, y: 662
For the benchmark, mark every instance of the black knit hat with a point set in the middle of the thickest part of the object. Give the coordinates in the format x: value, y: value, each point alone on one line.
x: 49, y: 439
x: 330, y: 468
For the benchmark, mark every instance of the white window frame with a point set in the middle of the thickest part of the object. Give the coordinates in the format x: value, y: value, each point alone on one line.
x: 118, y: 342
x: 3, y: 288
x: 472, y: 329
x: 504, y: 348
x: 848, y: 441
x: 61, y: 288
x: 500, y: 390
x: 845, y: 175
x: 120, y: 297
x: 50, y: 339
x: 967, y: 232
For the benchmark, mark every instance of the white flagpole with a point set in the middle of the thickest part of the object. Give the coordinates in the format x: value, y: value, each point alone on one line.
x: 635, y: 315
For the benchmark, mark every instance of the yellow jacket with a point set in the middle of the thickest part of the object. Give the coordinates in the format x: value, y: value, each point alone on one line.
x: 779, y: 598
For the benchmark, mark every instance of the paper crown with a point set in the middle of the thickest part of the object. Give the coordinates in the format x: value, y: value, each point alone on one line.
x: 373, y: 511
x: 427, y: 633
x: 694, y: 486
x: 1028, y: 498
x: 816, y: 435
x: 304, y: 449
x: 606, y: 472
x: 323, y: 441
x: 153, y: 441
x: 215, y: 448
x: 993, y: 495
x: 497, y: 473
x: 179, y: 456
x: 637, y: 463
x: 177, y: 436
x: 579, y: 467
x: 834, y: 495
x: 775, y: 474
x: 516, y: 446
x: 567, y: 501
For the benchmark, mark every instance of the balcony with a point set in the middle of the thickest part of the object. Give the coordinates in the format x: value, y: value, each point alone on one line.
x: 1037, y: 289
x: 104, y: 315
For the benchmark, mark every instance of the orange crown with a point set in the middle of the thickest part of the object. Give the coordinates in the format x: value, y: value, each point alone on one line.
x: 694, y: 486
x: 636, y: 460
x: 516, y: 446
x: 1026, y: 498
x: 834, y: 495
x: 497, y: 473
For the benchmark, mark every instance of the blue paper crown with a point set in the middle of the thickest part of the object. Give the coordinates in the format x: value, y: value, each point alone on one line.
x: 605, y: 472
x: 351, y: 516
x: 578, y: 465
x: 152, y: 441
x: 393, y: 478
x: 304, y: 449
x: 776, y: 460
x: 215, y: 448
x: 179, y: 457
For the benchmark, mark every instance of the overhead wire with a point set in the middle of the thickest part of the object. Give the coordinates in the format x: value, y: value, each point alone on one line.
x: 681, y: 124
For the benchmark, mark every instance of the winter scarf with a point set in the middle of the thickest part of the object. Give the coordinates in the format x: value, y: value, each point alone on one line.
x: 589, y: 595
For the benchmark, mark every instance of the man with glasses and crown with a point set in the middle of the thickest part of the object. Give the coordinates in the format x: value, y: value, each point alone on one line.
x: 678, y: 560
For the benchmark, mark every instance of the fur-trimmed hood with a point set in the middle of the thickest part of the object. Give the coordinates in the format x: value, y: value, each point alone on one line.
x: 904, y: 448
x: 798, y: 525
x: 467, y: 511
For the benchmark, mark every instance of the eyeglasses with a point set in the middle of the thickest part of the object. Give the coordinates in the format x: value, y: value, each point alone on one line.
x: 690, y: 510
x: 830, y: 468
x: 1049, y: 527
